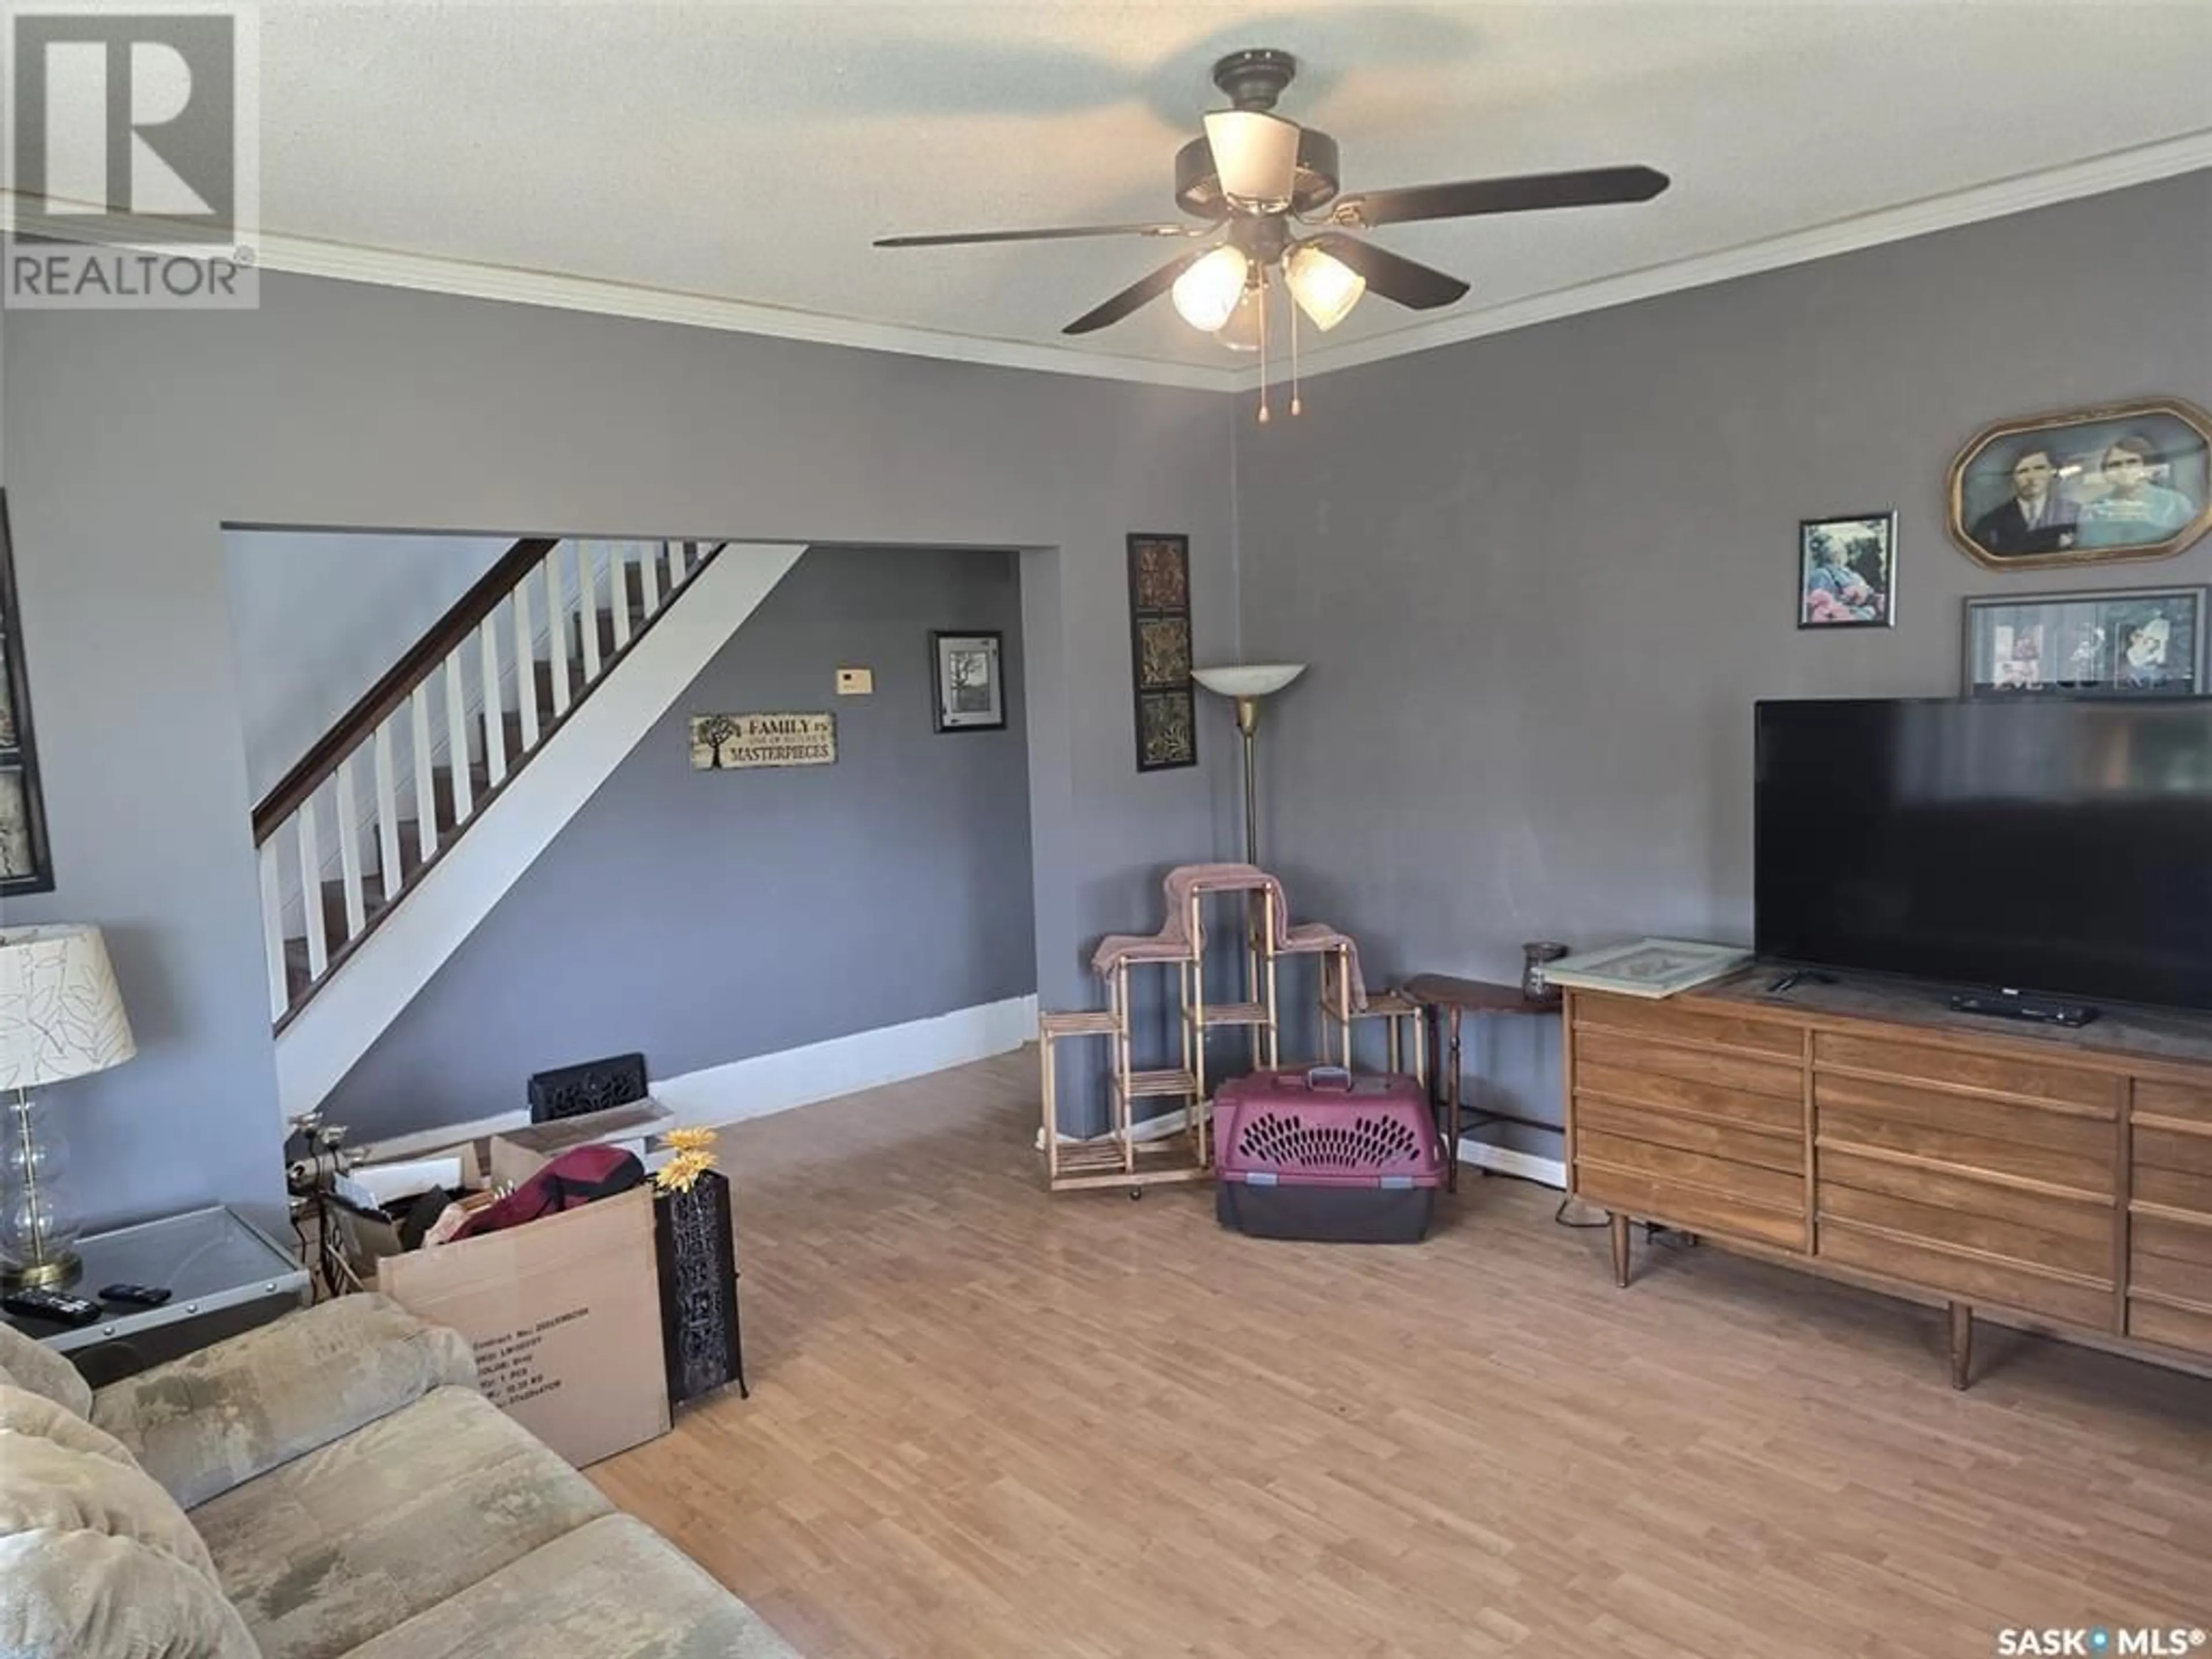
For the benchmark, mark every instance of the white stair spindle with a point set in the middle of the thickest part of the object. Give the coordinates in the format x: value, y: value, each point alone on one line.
x: 556, y: 629
x: 588, y: 610
x: 649, y: 567
x: 526, y: 658
x: 457, y: 737
x: 311, y: 892
x: 348, y: 828
x: 494, y: 710
x: 618, y: 578
x: 387, y: 813
x: 426, y: 790
x: 272, y: 928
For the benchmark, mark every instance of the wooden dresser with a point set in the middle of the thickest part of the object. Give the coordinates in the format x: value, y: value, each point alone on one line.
x: 1863, y: 1128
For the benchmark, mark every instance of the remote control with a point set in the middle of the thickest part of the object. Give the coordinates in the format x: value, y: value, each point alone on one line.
x: 137, y: 1296
x: 59, y: 1306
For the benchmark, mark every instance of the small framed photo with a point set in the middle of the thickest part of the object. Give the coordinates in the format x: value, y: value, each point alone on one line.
x: 970, y: 681
x: 2128, y: 642
x: 1847, y: 571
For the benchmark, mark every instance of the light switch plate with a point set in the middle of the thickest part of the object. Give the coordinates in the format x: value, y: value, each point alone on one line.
x: 855, y: 682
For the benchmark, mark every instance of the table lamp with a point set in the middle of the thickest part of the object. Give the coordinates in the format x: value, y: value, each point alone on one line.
x: 1248, y: 682
x: 61, y: 1016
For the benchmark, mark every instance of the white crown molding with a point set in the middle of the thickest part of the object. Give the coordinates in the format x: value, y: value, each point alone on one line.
x: 2167, y: 160
x: 307, y: 256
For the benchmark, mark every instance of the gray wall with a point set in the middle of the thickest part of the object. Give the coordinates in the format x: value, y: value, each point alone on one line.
x: 1542, y: 577
x: 705, y: 917
x: 133, y: 437
x: 316, y: 619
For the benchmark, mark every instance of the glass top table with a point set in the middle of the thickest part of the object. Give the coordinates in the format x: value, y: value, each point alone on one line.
x: 209, y: 1259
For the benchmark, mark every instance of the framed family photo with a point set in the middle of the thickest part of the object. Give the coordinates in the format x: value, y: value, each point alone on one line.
x: 1847, y: 571
x: 971, y: 688
x: 25, y: 855
x: 2147, y: 641
x: 2127, y: 481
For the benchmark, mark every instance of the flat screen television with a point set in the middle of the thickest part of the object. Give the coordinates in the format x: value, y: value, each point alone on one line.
x: 2058, y: 847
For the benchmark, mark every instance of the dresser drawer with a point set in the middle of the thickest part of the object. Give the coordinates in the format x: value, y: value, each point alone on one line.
x: 1662, y: 1019
x: 1768, y: 1188
x: 2168, y: 1279
x: 1695, y: 1208
x: 1739, y: 1143
x: 1969, y: 1278
x: 2173, y: 1327
x: 2026, y: 1243
x: 2173, y: 1100
x: 2087, y: 1175
x: 2173, y: 1149
x: 2025, y: 1079
x: 1746, y: 1073
x: 1706, y: 1100
x: 2189, y: 1241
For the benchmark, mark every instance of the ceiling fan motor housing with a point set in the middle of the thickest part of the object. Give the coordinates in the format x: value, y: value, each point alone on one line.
x: 1198, y: 182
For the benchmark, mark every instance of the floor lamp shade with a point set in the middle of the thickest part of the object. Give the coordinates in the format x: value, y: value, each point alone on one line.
x: 61, y: 1016
x: 1247, y: 683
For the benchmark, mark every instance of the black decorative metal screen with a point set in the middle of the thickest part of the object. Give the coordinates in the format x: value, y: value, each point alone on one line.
x: 694, y: 1245
x: 593, y: 1086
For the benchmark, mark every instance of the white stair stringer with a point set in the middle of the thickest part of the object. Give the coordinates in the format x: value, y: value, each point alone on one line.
x: 330, y: 1033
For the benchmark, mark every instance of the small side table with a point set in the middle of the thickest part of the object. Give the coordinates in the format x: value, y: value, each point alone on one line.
x: 1442, y: 995
x: 211, y: 1261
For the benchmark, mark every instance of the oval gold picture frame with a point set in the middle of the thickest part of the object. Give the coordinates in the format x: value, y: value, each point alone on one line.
x: 2124, y: 481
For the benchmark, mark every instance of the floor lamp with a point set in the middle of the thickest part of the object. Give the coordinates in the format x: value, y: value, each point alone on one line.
x: 1248, y: 682
x: 61, y: 1016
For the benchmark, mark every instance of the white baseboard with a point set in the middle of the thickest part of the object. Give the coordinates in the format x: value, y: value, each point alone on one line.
x: 764, y: 1083
x: 1547, y: 1171
x: 776, y: 1083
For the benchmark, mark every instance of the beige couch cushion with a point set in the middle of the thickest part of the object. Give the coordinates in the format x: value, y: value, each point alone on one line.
x: 97, y: 1561
x: 33, y: 1365
x: 214, y: 1418
x: 368, y: 1531
x: 614, y: 1589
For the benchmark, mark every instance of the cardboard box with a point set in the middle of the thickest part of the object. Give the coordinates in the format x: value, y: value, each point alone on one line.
x: 564, y: 1314
x: 520, y: 1153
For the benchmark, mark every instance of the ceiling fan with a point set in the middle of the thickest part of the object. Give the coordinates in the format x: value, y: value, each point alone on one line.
x: 1255, y: 180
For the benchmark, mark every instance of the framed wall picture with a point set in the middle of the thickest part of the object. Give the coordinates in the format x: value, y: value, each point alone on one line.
x: 1847, y: 571
x: 2126, y: 481
x: 1159, y: 651
x: 2129, y: 642
x: 970, y: 681
x: 26, y: 856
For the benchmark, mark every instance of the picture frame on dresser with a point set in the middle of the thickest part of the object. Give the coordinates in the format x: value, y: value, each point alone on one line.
x: 2125, y: 642
x: 26, y: 853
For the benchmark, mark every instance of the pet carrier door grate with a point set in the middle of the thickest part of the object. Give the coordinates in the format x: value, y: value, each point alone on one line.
x: 1289, y: 1142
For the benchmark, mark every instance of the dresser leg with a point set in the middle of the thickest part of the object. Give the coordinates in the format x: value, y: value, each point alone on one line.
x: 1962, y: 1344
x: 1618, y: 1224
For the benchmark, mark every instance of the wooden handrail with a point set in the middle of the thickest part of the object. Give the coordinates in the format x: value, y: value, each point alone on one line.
x: 462, y: 618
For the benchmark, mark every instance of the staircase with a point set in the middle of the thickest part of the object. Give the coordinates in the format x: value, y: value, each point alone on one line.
x: 387, y: 793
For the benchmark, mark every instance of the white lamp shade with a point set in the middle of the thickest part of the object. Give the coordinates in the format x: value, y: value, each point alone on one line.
x: 1256, y: 155
x: 61, y: 1015
x: 1207, y: 293
x: 1325, y: 287
x: 1253, y: 679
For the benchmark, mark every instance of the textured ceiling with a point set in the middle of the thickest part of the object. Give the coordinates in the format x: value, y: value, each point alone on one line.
x: 750, y: 152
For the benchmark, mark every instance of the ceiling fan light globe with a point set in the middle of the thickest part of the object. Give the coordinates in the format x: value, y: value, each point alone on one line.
x: 1256, y: 157
x: 1241, y: 331
x: 1206, y: 294
x: 1325, y: 287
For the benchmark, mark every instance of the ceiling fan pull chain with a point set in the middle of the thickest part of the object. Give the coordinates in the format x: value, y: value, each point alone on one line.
x: 1263, y: 349
x: 1294, y: 361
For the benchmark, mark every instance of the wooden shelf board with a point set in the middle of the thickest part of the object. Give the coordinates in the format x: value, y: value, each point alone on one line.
x: 1143, y: 1085
x: 1235, y: 1013
x: 1061, y: 1025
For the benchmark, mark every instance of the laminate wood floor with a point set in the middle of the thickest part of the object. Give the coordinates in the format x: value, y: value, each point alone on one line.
x: 990, y: 1423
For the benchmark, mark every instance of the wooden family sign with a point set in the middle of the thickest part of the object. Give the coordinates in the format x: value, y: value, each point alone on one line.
x: 728, y: 742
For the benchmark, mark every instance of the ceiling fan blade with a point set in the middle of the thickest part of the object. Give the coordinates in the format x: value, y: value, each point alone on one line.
x: 1595, y: 188
x: 1140, y: 293
x: 967, y: 238
x: 1412, y: 284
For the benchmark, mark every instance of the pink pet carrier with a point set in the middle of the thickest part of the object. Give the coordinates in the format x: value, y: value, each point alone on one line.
x: 1321, y: 1154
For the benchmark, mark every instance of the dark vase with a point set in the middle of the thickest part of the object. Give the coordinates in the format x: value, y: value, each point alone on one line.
x: 695, y: 1248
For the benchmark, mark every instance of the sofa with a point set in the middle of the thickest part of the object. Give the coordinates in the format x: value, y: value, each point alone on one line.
x: 328, y: 1483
